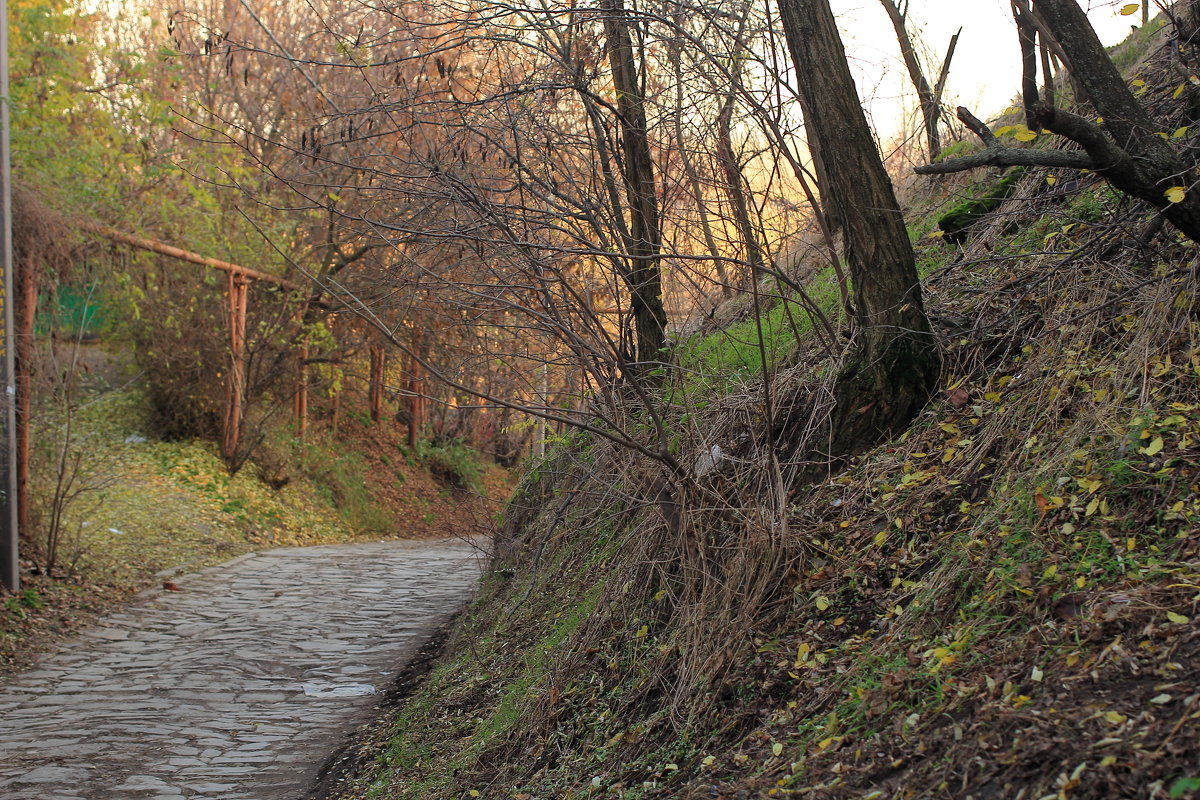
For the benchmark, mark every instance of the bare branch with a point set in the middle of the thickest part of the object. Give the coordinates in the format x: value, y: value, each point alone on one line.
x: 940, y: 88
x: 995, y: 154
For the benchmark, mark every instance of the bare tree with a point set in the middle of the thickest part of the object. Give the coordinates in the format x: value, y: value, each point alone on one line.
x: 930, y: 97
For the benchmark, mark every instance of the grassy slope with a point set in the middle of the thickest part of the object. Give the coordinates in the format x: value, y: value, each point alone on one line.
x: 1003, y: 603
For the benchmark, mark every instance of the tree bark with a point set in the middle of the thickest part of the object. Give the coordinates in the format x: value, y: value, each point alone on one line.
x: 816, y: 149
x: 895, y: 365
x: 644, y: 275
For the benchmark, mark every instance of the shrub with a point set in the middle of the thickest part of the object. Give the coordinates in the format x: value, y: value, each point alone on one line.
x: 453, y: 463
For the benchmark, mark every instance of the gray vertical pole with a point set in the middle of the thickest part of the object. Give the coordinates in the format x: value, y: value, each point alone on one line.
x: 10, y: 573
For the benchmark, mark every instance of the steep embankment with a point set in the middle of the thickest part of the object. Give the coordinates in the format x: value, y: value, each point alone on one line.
x: 1002, y: 603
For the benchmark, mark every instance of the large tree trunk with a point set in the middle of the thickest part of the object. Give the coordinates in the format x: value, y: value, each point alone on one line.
x: 643, y: 276
x: 895, y: 366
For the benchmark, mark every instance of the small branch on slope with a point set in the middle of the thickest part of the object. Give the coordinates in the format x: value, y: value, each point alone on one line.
x: 995, y: 154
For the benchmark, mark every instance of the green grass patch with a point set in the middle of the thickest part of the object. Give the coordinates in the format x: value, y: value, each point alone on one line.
x: 454, y: 462
x: 739, y: 351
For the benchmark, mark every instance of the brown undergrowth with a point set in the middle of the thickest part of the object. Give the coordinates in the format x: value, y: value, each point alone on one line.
x: 1002, y: 603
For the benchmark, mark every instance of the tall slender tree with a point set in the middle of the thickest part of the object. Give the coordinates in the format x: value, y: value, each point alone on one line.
x: 895, y: 364
x: 643, y: 274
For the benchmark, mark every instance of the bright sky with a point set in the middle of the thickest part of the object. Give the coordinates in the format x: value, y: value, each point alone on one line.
x: 986, y: 72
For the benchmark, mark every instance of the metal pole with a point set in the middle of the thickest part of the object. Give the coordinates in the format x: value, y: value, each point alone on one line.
x: 10, y: 573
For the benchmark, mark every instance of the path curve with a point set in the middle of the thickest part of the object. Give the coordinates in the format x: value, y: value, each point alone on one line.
x: 236, y: 687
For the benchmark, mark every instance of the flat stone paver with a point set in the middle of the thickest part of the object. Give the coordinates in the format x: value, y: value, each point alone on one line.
x: 237, y: 687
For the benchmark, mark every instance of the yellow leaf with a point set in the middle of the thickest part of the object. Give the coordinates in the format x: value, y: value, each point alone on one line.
x: 1154, y: 448
x: 1129, y: 8
x: 709, y: 761
x: 1025, y: 135
x: 880, y: 538
x: 1175, y: 194
x: 1178, y: 91
x: 1108, y: 761
x: 1178, y: 619
x: 1080, y: 582
x: 802, y: 653
x: 1180, y: 132
x: 642, y: 631
x: 1050, y: 571
x: 1137, y: 83
x: 1051, y: 180
x: 473, y: 793
x: 1115, y: 717
x: 776, y: 749
x: 822, y: 603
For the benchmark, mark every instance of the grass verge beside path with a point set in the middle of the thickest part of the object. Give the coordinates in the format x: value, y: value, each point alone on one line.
x: 154, y: 509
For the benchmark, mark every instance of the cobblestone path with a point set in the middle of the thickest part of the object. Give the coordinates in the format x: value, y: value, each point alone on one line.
x: 236, y: 687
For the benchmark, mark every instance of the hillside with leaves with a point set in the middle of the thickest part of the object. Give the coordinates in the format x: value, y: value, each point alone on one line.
x: 1001, y: 602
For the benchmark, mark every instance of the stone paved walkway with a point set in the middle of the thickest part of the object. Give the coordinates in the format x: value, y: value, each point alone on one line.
x: 236, y: 687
